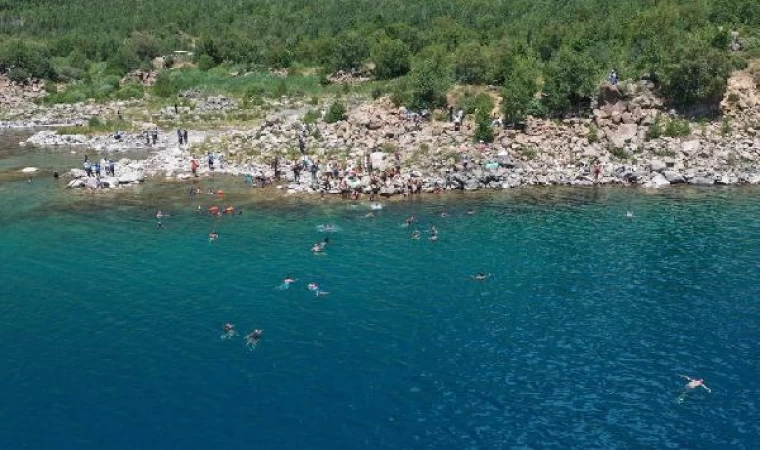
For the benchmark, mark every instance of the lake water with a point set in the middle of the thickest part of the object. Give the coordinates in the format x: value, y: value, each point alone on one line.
x: 110, y: 327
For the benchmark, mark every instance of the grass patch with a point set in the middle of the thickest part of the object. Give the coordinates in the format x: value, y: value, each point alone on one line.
x: 527, y: 152
x: 97, y: 126
x: 618, y: 153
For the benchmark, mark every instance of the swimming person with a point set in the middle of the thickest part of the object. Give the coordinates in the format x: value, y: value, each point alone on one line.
x: 229, y: 331
x: 213, y: 236
x: 314, y: 287
x: 416, y: 234
x: 252, y: 339
x: 692, y: 384
x: 482, y: 276
x: 286, y: 283
x: 159, y: 214
x: 319, y: 247
x: 410, y: 220
x: 433, y: 233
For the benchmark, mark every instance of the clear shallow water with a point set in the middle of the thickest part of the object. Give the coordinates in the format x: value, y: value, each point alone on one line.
x: 110, y: 329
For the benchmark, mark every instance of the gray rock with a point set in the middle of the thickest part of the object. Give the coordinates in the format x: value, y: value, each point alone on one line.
x: 658, y: 181
x: 673, y: 177
x: 657, y: 165
x: 701, y: 180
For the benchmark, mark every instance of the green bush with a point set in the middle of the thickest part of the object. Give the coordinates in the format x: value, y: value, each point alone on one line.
x: 677, y: 127
x: 165, y: 86
x: 311, y: 116
x: 519, y: 91
x: 336, y: 113
x: 725, y: 128
x: 655, y: 130
x: 391, y: 58
x: 19, y: 75
x: 593, y: 134
x: 205, y: 62
x: 129, y: 91
x: 470, y: 102
x: 484, y: 129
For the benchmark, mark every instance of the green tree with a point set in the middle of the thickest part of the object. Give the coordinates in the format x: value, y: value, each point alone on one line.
x: 350, y: 50
x: 484, y: 130
x: 520, y: 89
x: 696, y: 75
x: 336, y: 112
x: 571, y: 79
x: 427, y: 85
x: 470, y: 64
x: 391, y: 58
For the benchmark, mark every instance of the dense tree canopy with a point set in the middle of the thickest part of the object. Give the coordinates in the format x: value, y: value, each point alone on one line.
x: 573, y: 44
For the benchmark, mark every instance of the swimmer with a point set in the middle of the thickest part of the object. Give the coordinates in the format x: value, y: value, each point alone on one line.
x: 319, y: 247
x: 433, y: 233
x: 252, y: 339
x: 482, y: 276
x: 369, y: 215
x: 692, y: 384
x: 629, y: 214
x: 159, y: 224
x: 314, y: 287
x: 444, y: 214
x: 213, y: 236
x: 159, y: 214
x: 410, y: 220
x: 229, y: 331
x: 286, y: 283
x: 240, y: 212
x: 470, y: 212
x: 416, y: 234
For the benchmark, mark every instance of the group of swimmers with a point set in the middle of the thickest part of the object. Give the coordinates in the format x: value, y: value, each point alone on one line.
x: 251, y: 339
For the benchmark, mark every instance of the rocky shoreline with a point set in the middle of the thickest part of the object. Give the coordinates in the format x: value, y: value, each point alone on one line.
x: 410, y: 155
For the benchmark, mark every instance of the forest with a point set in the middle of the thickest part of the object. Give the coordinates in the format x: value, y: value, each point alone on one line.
x: 548, y: 57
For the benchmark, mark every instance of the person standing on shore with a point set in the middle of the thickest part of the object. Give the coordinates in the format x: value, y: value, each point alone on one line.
x: 597, y: 170
x: 87, y: 166
x: 194, y: 167
x: 179, y: 136
x: 184, y: 135
x: 210, y: 158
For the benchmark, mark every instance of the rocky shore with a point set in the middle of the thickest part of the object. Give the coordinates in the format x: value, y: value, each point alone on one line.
x: 432, y: 155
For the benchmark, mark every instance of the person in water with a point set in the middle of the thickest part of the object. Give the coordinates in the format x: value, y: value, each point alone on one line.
x: 416, y: 234
x: 692, y: 383
x: 159, y: 214
x: 213, y: 236
x: 159, y: 224
x: 410, y: 220
x: 481, y: 276
x: 252, y: 339
x: 319, y: 247
x: 229, y: 331
x: 314, y: 287
x: 286, y: 283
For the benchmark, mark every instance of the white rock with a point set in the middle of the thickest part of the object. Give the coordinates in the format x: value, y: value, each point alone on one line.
x: 658, y: 181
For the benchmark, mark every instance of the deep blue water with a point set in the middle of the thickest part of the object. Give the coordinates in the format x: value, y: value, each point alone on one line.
x: 110, y: 328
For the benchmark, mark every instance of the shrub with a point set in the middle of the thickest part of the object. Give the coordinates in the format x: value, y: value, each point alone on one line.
x: 19, y: 75
x: 677, y: 127
x: 593, y: 134
x: 655, y: 130
x: 205, y: 62
x: 311, y: 116
x: 391, y: 58
x: 618, y: 153
x: 129, y: 91
x: 336, y: 113
x: 484, y: 130
x: 725, y: 128
x: 376, y: 93
x: 470, y: 102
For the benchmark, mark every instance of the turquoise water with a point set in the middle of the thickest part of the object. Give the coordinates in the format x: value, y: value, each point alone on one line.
x: 110, y: 328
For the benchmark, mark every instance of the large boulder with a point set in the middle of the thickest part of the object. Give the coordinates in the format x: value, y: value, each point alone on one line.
x: 673, y: 177
x: 623, y: 134
x: 658, y: 181
x: 131, y: 177
x: 658, y: 165
x: 702, y: 180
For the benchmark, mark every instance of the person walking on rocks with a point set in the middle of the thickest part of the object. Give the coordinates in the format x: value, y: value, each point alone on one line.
x: 184, y: 136
x: 297, y: 172
x: 302, y: 145
x: 179, y: 136
x: 210, y: 161
x: 597, y: 170
x: 112, y: 167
